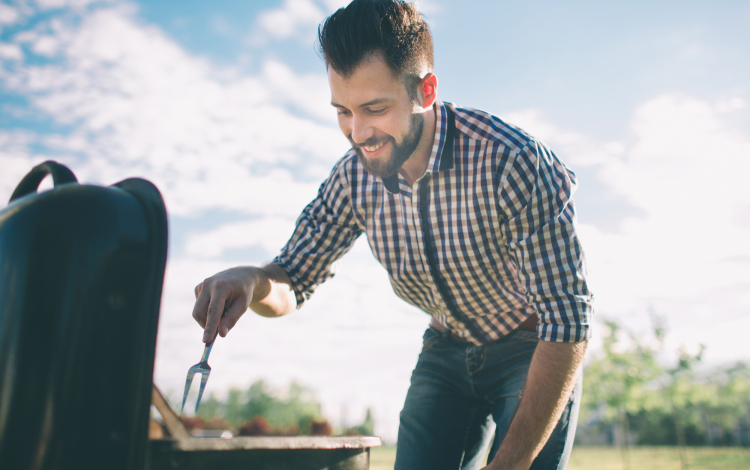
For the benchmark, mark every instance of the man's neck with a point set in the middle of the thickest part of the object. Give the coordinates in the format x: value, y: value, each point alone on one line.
x: 415, y: 166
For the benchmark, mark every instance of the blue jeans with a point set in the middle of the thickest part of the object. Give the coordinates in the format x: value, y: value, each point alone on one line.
x: 460, y: 392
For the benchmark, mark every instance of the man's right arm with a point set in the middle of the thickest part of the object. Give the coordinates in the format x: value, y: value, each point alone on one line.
x: 324, y: 232
x: 266, y: 290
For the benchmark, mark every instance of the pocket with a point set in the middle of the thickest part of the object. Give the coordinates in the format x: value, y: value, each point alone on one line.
x: 430, y: 338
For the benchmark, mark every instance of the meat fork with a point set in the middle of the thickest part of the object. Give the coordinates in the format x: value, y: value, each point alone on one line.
x: 201, y: 368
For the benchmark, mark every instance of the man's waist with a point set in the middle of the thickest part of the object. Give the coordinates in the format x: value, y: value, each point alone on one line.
x: 527, y: 325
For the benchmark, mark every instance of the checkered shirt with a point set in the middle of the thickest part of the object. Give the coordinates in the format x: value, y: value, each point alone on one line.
x: 485, y: 238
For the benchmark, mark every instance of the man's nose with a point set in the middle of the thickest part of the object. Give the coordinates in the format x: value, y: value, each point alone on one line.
x: 361, y: 130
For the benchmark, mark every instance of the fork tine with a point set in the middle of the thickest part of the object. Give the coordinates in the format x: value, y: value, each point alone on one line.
x: 188, y: 382
x: 201, y: 368
x: 204, y: 379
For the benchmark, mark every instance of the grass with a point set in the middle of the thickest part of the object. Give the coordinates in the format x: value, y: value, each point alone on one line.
x: 382, y: 458
x: 610, y: 458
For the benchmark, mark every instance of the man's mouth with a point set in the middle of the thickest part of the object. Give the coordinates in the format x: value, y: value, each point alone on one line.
x: 373, y: 148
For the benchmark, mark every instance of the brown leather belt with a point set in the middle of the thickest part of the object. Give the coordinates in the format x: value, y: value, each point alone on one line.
x: 528, y: 325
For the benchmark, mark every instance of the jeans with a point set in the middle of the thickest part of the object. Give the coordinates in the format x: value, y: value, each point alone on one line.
x: 460, y: 392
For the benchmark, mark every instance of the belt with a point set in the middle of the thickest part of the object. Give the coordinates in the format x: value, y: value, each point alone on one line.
x: 528, y: 325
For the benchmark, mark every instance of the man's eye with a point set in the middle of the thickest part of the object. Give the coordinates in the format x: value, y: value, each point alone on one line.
x: 377, y: 111
x: 342, y: 112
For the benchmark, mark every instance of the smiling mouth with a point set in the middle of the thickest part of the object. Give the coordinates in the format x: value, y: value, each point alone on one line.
x: 373, y: 148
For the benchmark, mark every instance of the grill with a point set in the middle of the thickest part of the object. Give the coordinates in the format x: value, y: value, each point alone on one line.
x: 81, y: 273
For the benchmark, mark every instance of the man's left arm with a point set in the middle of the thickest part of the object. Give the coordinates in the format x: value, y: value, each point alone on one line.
x: 552, y: 377
x: 541, y: 235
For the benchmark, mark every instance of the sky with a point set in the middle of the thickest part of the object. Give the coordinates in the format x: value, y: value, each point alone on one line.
x: 224, y: 105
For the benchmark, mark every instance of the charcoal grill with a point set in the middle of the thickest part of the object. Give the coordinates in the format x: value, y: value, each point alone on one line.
x: 81, y: 273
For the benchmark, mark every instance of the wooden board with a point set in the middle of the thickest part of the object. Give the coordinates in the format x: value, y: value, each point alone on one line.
x: 264, y: 453
x: 172, y: 422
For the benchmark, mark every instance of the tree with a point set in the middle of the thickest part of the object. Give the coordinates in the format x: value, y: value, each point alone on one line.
x: 367, y: 428
x: 684, y: 396
x: 286, y: 412
x: 616, y: 385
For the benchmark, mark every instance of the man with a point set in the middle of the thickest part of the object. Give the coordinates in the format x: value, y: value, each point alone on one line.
x: 473, y: 220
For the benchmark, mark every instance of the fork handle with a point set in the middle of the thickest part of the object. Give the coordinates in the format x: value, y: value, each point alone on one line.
x: 207, y: 350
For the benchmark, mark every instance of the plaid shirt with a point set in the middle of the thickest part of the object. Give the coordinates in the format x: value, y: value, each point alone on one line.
x: 482, y: 240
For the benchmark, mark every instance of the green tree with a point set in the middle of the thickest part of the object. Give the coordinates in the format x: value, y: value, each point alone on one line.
x: 730, y: 408
x: 367, y: 428
x: 288, y: 411
x: 684, y: 397
x: 617, y: 383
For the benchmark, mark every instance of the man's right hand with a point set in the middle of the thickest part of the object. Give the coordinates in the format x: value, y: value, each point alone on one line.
x: 266, y: 290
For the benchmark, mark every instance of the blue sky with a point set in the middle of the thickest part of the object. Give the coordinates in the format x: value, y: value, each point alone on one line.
x: 224, y: 105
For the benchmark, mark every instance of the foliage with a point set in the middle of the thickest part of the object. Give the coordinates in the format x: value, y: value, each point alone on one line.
x: 262, y: 410
x: 628, y: 388
x: 367, y: 428
x: 289, y: 412
x: 620, y: 379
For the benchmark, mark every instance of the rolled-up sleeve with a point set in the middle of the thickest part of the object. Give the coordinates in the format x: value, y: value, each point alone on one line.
x: 325, y: 231
x: 540, y: 234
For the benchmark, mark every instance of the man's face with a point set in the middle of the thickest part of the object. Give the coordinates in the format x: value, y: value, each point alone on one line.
x: 377, y: 115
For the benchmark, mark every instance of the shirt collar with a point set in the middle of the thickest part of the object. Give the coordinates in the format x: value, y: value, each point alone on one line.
x: 441, y: 158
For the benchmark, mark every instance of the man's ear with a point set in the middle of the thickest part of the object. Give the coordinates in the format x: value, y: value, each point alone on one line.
x: 428, y: 89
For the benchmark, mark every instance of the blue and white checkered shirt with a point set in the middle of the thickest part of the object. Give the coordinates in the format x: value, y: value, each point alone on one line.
x: 485, y: 238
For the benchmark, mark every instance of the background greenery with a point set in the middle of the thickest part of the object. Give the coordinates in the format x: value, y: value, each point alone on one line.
x: 263, y: 409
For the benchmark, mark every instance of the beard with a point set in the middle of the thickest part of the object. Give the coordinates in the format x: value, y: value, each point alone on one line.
x: 385, y: 167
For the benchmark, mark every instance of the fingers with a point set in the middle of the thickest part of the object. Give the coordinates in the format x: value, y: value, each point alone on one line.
x: 234, y: 312
x: 200, y: 309
x: 216, y: 305
x: 227, y: 293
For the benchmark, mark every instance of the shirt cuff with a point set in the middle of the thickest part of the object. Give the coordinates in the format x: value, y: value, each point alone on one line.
x: 563, y: 333
x: 299, y: 295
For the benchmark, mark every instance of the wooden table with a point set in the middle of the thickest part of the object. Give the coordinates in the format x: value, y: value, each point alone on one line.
x: 263, y: 453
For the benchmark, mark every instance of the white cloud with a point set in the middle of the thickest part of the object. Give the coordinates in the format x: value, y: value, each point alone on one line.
x: 270, y: 233
x: 295, y: 18
x: 75, y: 4
x: 46, y: 46
x: 10, y: 51
x: 686, y: 171
x: 424, y: 6
x: 8, y: 14
x: 139, y: 104
x: 578, y: 149
x: 333, y: 5
x: 735, y: 103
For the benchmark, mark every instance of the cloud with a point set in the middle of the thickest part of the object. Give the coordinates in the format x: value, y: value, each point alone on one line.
x: 685, y: 169
x: 579, y: 149
x: 8, y: 14
x: 270, y: 233
x: 138, y: 104
x: 10, y: 51
x: 295, y: 18
x: 74, y: 4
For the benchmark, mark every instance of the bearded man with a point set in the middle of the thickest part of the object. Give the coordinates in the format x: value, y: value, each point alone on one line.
x: 473, y: 220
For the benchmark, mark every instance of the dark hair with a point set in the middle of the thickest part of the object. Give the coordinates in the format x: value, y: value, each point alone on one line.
x: 393, y: 28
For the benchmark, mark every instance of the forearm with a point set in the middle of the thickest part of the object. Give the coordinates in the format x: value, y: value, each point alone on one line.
x: 552, y: 377
x: 273, y: 295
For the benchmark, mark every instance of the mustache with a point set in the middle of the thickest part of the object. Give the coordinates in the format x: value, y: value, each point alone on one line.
x: 371, y: 142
